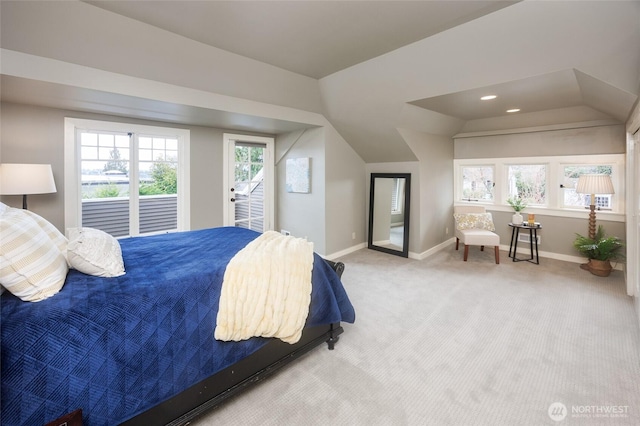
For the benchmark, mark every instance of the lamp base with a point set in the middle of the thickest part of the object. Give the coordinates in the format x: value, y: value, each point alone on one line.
x: 592, y: 220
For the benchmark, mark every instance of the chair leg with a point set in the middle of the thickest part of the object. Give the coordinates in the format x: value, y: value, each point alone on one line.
x: 457, y: 242
x: 497, y: 250
x: 481, y: 248
x: 466, y: 252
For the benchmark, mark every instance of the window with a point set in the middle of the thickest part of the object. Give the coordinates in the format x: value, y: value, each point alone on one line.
x: 104, y: 180
x: 571, y: 174
x: 477, y: 183
x: 126, y: 179
x: 527, y: 182
x: 546, y: 184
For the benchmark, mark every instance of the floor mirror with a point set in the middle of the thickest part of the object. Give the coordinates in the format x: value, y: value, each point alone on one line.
x: 389, y: 202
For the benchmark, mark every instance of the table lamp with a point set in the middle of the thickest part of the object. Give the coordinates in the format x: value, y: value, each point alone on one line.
x: 26, y: 179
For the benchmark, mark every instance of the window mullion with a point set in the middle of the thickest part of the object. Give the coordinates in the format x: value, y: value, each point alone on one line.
x: 134, y: 187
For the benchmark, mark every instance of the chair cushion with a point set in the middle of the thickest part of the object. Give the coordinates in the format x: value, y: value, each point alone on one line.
x: 478, y: 237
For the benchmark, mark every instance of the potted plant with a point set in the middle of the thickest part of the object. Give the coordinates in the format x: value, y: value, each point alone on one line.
x: 518, y: 205
x: 600, y: 251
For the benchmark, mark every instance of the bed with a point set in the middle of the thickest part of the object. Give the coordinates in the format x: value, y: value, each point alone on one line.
x: 140, y: 348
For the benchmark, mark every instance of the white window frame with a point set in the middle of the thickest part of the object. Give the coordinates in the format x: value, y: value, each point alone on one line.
x: 555, y: 176
x: 459, y: 181
x: 614, y: 179
x: 72, y: 172
x: 505, y: 187
x: 229, y: 140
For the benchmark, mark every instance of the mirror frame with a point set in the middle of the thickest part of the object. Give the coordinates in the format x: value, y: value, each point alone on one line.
x: 407, y: 202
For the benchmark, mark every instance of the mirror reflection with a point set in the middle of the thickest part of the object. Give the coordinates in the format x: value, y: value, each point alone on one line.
x: 389, y: 213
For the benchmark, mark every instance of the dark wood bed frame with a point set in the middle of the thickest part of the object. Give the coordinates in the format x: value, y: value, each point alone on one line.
x: 211, y: 392
x: 214, y: 390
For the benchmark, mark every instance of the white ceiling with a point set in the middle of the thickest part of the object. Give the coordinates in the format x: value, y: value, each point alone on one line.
x: 385, y: 65
x: 312, y: 38
x: 319, y: 38
x: 552, y: 91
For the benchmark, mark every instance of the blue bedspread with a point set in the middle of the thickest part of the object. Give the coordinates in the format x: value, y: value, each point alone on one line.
x: 118, y: 346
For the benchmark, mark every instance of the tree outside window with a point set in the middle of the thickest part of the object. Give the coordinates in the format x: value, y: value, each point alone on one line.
x: 158, y: 166
x: 528, y: 183
x: 477, y: 183
x: 572, y: 174
x: 116, y: 163
x: 104, y: 165
x: 164, y: 179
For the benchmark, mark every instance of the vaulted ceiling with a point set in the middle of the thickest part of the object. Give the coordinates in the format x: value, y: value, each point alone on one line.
x: 312, y: 38
x: 386, y: 65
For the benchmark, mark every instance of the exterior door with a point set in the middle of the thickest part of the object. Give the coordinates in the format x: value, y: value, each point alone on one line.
x: 249, y: 182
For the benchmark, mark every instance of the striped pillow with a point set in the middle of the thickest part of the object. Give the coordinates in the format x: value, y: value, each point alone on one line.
x: 56, y: 236
x: 31, y: 266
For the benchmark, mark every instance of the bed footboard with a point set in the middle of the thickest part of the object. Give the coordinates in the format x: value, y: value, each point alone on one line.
x: 214, y: 390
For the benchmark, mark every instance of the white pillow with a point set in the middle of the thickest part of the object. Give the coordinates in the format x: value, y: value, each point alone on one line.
x: 31, y: 266
x: 94, y: 252
x: 56, y: 236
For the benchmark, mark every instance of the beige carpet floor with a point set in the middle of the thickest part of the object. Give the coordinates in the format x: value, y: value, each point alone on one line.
x: 446, y: 342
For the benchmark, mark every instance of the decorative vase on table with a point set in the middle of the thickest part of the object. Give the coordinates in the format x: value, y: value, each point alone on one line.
x: 518, y: 205
x: 517, y: 219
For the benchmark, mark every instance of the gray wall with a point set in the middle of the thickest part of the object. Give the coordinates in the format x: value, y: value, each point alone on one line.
x: 302, y: 214
x: 576, y: 141
x: 431, y: 213
x: 434, y: 201
x: 330, y: 214
x: 345, y: 194
x: 36, y: 135
x: 32, y: 134
x: 558, y: 233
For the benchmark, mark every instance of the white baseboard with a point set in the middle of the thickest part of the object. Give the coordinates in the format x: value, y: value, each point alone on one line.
x: 522, y: 251
x: 345, y: 252
x: 525, y: 251
x: 432, y: 250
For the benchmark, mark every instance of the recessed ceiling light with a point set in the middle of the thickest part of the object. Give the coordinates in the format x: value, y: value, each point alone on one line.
x: 488, y: 97
x: 513, y: 110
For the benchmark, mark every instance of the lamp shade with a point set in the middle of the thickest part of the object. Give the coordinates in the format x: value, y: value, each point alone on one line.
x: 24, y: 179
x: 595, y: 184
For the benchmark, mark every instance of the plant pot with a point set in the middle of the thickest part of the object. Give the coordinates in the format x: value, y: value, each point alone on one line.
x: 601, y: 268
x: 586, y: 266
x: 517, y: 219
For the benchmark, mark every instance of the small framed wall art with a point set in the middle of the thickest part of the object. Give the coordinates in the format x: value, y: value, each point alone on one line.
x: 298, y: 175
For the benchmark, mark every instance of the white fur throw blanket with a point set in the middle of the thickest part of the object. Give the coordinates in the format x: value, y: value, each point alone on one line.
x: 266, y: 290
